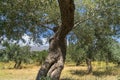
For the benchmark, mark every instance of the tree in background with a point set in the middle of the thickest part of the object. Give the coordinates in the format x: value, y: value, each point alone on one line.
x: 13, y: 52
x: 39, y: 56
x: 3, y: 56
x: 94, y: 34
x: 76, y: 54
x: 115, y: 52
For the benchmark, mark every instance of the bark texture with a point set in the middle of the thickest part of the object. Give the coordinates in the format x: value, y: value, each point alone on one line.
x: 54, y: 62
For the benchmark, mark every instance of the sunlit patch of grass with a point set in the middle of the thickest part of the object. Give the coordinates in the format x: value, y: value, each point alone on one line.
x: 6, y: 65
x: 19, y: 74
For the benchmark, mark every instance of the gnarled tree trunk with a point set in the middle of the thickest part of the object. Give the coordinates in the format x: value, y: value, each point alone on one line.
x: 54, y: 62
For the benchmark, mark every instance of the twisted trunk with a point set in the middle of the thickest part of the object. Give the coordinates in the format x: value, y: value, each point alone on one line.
x: 54, y: 62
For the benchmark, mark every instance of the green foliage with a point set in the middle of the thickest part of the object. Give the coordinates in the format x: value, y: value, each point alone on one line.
x: 97, y: 25
x: 3, y: 56
x: 19, y: 17
x: 21, y: 54
x: 16, y: 53
x: 39, y: 56
x: 116, y: 52
x: 75, y: 54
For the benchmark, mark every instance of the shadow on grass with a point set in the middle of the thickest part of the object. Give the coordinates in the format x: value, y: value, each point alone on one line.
x: 78, y: 72
x: 103, y: 73
x: 66, y: 79
x: 94, y: 73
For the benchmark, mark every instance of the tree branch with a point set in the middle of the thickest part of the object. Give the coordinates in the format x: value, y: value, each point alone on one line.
x: 44, y: 24
x: 97, y: 10
x: 79, y: 22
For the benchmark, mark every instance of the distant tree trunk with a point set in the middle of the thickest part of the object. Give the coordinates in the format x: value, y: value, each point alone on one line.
x: 118, y: 63
x: 107, y: 64
x: 78, y: 62
x: 54, y: 62
x: 89, y: 65
x: 17, y: 64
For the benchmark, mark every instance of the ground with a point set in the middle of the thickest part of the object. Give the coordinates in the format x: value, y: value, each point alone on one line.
x: 70, y: 72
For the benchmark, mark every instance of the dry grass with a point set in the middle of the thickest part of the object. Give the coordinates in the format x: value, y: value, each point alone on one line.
x: 79, y: 73
x: 70, y: 72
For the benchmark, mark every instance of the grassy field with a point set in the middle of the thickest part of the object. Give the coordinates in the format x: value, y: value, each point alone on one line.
x: 70, y: 72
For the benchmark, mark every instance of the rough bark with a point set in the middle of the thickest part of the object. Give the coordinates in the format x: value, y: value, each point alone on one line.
x: 54, y: 62
x: 89, y: 65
